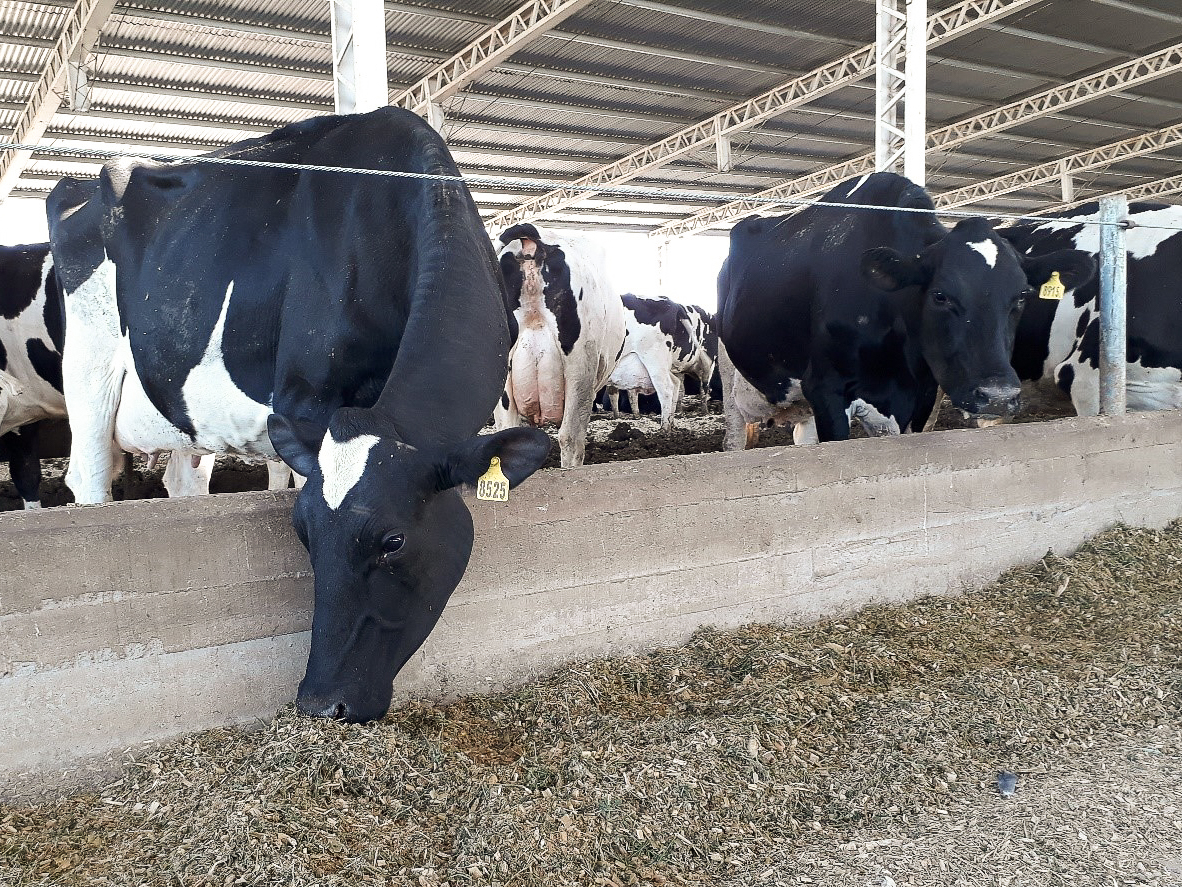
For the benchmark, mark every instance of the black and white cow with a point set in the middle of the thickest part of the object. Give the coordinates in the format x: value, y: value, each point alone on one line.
x: 1060, y: 339
x: 704, y: 330
x: 570, y: 333
x: 354, y: 324
x: 835, y: 309
x: 660, y: 347
x: 30, y: 361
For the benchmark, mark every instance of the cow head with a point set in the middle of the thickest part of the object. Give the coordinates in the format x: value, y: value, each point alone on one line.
x: 534, y: 267
x: 389, y: 538
x: 961, y: 301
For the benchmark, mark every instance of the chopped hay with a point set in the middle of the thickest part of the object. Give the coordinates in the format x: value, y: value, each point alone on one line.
x: 852, y: 751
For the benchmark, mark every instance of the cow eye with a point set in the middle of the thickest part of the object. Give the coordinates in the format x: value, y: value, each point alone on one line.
x: 391, y: 547
x: 940, y: 298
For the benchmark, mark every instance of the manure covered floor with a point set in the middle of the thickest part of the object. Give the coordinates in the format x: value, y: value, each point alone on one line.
x: 856, y: 751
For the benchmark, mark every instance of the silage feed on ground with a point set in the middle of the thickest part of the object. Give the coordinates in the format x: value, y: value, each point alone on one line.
x: 860, y: 751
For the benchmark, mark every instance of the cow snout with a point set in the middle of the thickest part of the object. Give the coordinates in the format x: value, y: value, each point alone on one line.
x: 1001, y: 401
x: 318, y: 707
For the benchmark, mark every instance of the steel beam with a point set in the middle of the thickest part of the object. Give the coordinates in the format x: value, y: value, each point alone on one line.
x: 889, y: 82
x: 1050, y: 101
x: 942, y: 27
x: 1083, y: 161
x: 1158, y: 188
x: 500, y: 41
x: 915, y: 93
x: 359, y: 69
x: 83, y: 23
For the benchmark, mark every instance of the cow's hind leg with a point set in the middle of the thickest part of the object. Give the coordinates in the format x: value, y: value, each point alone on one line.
x: 576, y: 416
x: 665, y: 385
x: 737, y: 435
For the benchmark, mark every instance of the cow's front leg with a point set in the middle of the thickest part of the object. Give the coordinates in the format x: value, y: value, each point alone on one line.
x: 92, y: 400
x: 827, y: 398
x: 25, y: 464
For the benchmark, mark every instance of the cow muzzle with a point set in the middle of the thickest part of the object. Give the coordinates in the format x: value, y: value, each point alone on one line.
x: 995, y: 401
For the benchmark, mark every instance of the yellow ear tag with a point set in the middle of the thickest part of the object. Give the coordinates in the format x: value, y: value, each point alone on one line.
x: 493, y: 486
x: 1053, y: 289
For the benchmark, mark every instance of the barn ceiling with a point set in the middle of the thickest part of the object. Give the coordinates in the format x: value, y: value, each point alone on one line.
x: 619, y: 77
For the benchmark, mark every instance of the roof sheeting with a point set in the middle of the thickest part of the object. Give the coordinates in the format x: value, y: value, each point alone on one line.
x: 172, y: 76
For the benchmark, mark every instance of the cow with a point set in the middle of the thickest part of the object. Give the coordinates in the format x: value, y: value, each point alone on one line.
x: 660, y: 347
x: 353, y: 324
x: 30, y: 361
x: 1059, y: 340
x: 703, y: 328
x: 570, y: 335
x: 820, y: 310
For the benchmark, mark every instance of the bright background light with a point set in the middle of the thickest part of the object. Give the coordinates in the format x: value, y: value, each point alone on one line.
x: 691, y: 265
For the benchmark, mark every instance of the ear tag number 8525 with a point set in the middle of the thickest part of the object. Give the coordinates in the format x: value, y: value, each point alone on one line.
x: 493, y: 486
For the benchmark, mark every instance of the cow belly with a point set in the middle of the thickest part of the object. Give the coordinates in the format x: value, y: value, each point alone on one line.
x: 630, y: 375
x: 539, y: 383
x: 22, y: 403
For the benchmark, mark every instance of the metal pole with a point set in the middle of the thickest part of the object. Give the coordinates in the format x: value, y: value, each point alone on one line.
x: 1113, y: 260
x: 915, y: 89
x: 359, y: 55
x: 890, y: 31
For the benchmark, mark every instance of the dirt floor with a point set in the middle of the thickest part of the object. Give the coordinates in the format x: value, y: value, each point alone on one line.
x: 609, y: 440
x: 862, y: 751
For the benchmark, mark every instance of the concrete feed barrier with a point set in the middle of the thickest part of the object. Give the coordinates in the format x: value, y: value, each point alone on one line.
x: 140, y: 621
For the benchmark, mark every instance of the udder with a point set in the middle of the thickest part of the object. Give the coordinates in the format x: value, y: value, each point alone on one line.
x: 539, y: 384
x: 630, y: 375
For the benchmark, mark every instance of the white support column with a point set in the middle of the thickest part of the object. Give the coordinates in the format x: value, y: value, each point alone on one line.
x: 1066, y: 183
x: 915, y: 93
x: 722, y: 150
x: 1114, y: 212
x: 889, y: 80
x: 359, y: 55
x: 662, y: 259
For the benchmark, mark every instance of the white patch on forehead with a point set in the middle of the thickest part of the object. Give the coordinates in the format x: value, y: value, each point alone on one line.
x: 342, y: 463
x: 988, y: 251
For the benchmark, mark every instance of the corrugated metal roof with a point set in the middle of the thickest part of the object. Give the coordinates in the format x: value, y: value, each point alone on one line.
x: 173, y: 76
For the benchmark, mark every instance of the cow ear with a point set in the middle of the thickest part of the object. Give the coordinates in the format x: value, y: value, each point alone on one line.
x: 521, y: 450
x: 891, y: 271
x: 296, y: 441
x: 1075, y: 268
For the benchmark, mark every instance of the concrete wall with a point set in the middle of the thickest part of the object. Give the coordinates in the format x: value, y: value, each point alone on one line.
x: 144, y: 620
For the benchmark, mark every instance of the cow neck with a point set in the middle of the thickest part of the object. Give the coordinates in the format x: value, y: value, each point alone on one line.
x: 453, y: 355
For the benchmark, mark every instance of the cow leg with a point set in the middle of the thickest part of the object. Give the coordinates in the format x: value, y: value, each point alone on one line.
x: 613, y: 397
x: 278, y: 475
x: 92, y: 381
x: 737, y: 436
x: 576, y: 416
x: 804, y: 434
x: 825, y: 396
x: 634, y: 399
x: 188, y: 474
x: 24, y: 464
x: 505, y: 413
x: 665, y: 385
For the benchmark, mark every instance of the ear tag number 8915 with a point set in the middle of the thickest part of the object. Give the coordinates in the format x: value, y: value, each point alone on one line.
x: 1053, y: 289
x: 493, y: 486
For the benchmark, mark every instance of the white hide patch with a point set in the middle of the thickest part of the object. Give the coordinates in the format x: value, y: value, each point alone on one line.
x: 342, y: 463
x: 1150, y: 230
x: 988, y: 251
x: 225, y: 419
